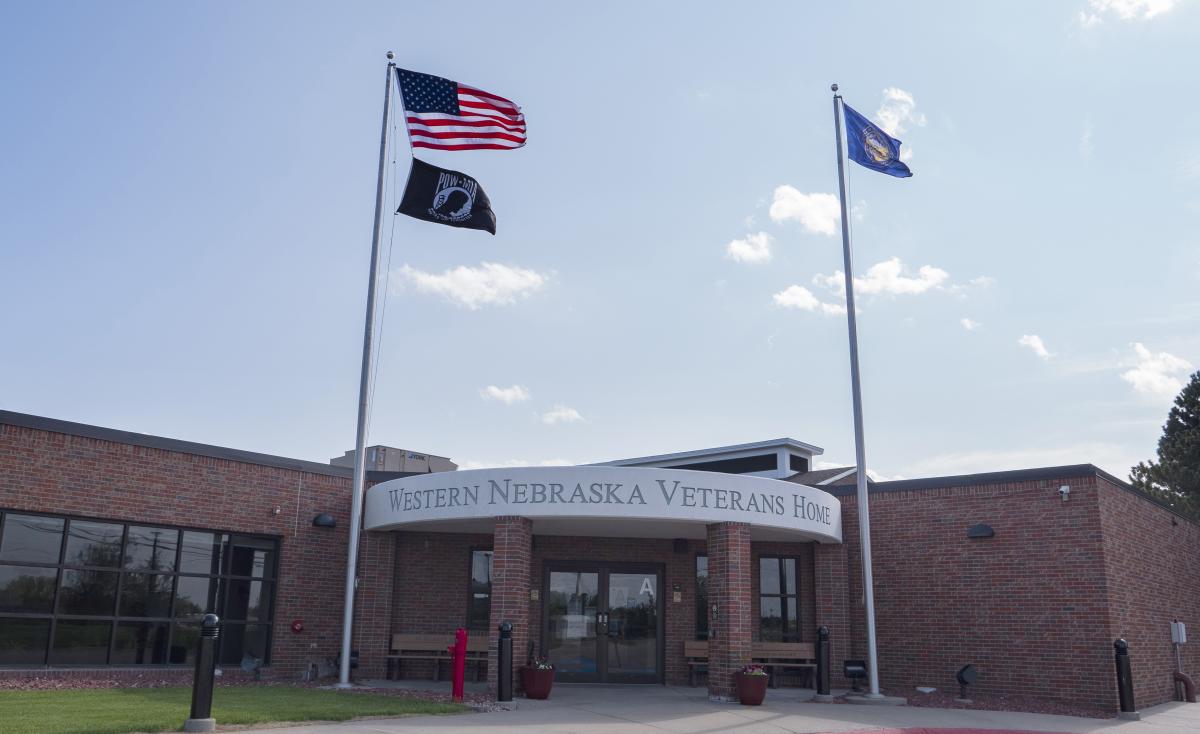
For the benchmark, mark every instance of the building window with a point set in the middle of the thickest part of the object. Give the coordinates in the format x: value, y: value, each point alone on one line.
x: 701, y: 597
x: 778, y: 600
x: 479, y: 599
x: 77, y: 591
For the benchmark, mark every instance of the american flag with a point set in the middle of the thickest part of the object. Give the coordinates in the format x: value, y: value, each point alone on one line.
x: 446, y: 115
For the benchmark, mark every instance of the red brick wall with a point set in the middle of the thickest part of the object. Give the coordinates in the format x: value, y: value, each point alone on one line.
x: 1028, y: 607
x: 729, y: 589
x: 1153, y: 562
x: 512, y: 561
x: 49, y: 472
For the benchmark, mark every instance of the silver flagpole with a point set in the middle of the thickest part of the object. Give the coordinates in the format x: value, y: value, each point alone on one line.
x: 860, y: 451
x: 364, y: 395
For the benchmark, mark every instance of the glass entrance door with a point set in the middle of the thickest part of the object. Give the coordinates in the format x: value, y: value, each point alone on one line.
x: 572, y: 613
x: 603, y: 623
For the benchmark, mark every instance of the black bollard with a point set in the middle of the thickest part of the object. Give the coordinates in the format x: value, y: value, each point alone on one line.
x: 202, y: 683
x: 504, y: 688
x: 1124, y: 677
x: 822, y: 661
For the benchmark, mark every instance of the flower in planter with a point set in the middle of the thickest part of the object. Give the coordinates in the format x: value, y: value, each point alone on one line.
x: 541, y: 663
x: 754, y: 670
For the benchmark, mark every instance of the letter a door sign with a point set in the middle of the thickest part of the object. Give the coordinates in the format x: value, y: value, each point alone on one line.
x: 647, y: 587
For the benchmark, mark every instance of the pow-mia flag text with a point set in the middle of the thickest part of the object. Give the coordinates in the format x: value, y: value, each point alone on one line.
x: 446, y: 197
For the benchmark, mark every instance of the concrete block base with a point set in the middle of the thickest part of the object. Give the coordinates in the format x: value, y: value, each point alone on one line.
x: 878, y: 700
x: 822, y: 698
x: 200, y: 725
x: 1130, y: 715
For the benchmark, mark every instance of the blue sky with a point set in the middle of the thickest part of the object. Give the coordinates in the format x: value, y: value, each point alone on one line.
x: 188, y: 189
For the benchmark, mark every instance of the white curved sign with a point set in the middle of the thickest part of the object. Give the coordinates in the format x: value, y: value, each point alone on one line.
x: 605, y: 492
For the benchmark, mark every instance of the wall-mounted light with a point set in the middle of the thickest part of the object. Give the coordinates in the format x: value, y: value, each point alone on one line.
x: 1065, y: 492
x: 982, y: 530
x: 324, y: 520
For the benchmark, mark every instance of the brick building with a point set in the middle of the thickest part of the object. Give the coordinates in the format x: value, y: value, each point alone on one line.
x: 112, y: 544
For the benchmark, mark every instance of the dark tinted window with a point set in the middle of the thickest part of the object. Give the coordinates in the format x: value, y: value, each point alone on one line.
x: 201, y: 553
x: 93, y: 544
x: 23, y: 641
x: 702, y: 611
x: 27, y: 589
x: 140, y: 643
x: 777, y: 600
x: 151, y: 549
x: 146, y: 595
x: 88, y: 592
x: 31, y: 539
x: 79, y: 642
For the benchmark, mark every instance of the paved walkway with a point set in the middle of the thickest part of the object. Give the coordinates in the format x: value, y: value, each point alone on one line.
x: 659, y: 709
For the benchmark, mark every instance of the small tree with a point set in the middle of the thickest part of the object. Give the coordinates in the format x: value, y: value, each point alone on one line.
x: 1175, y: 477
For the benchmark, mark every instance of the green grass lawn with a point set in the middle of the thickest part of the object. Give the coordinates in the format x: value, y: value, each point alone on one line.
x: 121, y: 710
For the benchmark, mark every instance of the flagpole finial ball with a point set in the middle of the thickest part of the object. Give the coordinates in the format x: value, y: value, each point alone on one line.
x: 833, y: 87
x: 391, y: 55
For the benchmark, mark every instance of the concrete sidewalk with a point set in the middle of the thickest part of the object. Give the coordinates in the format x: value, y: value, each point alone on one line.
x: 643, y: 709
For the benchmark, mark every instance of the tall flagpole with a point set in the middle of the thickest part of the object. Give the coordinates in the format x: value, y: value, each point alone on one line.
x: 364, y: 394
x: 860, y: 451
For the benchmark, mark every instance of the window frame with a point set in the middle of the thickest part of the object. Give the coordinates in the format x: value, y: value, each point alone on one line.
x: 785, y: 635
x: 227, y: 539
x: 471, y: 586
x: 702, y: 605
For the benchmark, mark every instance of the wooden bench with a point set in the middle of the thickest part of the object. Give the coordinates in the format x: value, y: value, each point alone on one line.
x: 771, y: 655
x: 787, y: 655
x: 433, y: 648
x: 695, y: 653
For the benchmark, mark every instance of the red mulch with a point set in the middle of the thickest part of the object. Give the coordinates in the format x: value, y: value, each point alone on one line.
x: 991, y: 702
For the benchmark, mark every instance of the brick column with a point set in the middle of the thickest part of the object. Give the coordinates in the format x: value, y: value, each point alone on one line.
x: 832, y: 587
x: 374, y: 602
x: 512, y: 559
x: 729, y: 590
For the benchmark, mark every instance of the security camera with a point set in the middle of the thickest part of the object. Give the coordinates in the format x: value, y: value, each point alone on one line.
x: 1064, y: 492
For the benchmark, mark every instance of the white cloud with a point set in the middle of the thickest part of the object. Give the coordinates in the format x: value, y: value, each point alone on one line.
x: 1086, y: 146
x: 1034, y: 343
x: 1124, y: 10
x: 887, y: 277
x: 754, y: 248
x: 506, y: 395
x: 802, y: 298
x: 509, y: 463
x: 898, y: 111
x: 561, y: 414
x: 490, y: 284
x: 1155, y: 374
x: 983, y: 281
x: 818, y: 213
x: 969, y: 325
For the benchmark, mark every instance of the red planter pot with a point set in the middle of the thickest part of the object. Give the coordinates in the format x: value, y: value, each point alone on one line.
x: 751, y: 689
x: 537, y: 683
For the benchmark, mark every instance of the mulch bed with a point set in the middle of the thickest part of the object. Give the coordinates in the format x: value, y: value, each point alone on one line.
x: 991, y: 702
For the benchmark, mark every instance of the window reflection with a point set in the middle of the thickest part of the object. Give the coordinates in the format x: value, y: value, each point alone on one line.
x: 117, y: 587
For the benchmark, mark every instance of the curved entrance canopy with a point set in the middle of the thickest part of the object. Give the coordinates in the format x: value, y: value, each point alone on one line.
x: 623, y: 502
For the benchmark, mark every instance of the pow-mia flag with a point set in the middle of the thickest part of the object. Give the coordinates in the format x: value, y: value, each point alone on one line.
x: 446, y: 197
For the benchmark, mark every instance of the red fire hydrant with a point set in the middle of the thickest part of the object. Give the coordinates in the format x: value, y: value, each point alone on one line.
x: 458, y: 662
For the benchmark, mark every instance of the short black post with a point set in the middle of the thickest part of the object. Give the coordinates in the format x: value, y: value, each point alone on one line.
x: 504, y: 663
x: 202, y: 684
x: 822, y: 661
x: 1124, y: 678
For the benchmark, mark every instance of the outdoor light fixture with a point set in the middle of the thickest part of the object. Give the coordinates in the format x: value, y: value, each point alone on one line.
x: 967, y: 675
x: 982, y: 530
x: 855, y: 670
x: 324, y: 520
